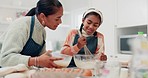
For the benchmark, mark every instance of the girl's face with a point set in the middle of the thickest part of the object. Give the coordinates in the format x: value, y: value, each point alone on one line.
x: 91, y: 24
x: 52, y: 21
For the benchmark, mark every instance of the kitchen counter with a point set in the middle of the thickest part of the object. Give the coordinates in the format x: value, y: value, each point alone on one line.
x: 21, y: 71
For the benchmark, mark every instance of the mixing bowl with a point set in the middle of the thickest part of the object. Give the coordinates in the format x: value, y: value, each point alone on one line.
x: 64, y: 62
x: 84, y: 61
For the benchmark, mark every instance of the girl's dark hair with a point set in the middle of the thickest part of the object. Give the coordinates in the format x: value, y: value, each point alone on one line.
x: 48, y: 7
x: 91, y: 13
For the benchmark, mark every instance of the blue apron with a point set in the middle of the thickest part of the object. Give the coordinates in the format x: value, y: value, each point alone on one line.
x: 32, y: 48
x: 92, y: 43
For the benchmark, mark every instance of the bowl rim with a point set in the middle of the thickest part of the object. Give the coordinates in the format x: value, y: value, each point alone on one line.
x: 83, y: 55
x: 58, y: 54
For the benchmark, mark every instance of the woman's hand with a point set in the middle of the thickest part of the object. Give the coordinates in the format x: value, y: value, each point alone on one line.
x: 46, y: 60
x: 81, y: 42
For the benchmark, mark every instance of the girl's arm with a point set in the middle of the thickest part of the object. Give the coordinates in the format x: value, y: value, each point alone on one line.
x: 101, y: 48
x: 68, y: 47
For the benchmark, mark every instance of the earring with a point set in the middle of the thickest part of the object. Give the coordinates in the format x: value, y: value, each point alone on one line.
x: 43, y: 22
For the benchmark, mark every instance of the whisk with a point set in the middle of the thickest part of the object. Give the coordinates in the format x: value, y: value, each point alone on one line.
x: 86, y: 50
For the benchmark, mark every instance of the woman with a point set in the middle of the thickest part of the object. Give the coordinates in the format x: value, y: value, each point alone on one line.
x: 25, y: 40
x: 92, y: 19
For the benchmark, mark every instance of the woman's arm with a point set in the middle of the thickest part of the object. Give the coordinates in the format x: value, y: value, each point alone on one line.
x: 12, y: 45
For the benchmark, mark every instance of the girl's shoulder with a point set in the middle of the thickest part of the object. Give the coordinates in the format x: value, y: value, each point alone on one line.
x: 100, y: 35
x: 74, y: 31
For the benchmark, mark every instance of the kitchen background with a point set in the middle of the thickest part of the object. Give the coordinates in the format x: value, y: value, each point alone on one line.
x: 121, y: 17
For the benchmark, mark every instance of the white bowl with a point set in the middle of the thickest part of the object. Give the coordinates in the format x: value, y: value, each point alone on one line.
x: 66, y: 59
x: 84, y: 61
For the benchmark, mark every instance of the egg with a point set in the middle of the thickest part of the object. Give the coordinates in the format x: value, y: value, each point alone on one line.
x: 87, y: 73
x: 76, y: 70
x: 68, y: 70
x: 58, y: 70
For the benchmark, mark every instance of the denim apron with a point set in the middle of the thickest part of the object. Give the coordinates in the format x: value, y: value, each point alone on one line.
x: 92, y: 43
x: 32, y: 48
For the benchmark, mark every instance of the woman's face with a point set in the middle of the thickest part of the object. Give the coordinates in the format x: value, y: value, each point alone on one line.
x: 91, y: 23
x: 52, y: 21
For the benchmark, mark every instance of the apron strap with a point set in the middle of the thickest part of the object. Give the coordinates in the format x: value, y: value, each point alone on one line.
x: 32, y: 26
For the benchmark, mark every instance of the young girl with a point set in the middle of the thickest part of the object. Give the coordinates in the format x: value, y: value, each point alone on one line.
x: 74, y: 44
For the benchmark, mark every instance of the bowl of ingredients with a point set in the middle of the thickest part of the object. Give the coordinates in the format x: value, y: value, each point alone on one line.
x: 64, y: 62
x: 84, y: 61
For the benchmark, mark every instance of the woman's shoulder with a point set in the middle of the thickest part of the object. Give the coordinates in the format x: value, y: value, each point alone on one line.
x: 20, y: 24
x: 21, y: 21
x: 24, y: 18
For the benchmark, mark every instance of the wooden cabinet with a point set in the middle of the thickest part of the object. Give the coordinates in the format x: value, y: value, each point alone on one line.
x: 132, y: 12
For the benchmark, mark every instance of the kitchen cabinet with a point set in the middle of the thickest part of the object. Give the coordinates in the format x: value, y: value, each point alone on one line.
x: 131, y: 17
x: 128, y: 31
x: 132, y: 12
x: 77, y: 16
x: 13, y: 9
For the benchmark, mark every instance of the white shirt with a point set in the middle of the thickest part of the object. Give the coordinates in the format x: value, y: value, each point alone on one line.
x: 13, y: 41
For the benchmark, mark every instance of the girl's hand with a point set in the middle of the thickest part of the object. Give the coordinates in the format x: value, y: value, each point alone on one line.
x: 81, y: 42
x: 103, y: 57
